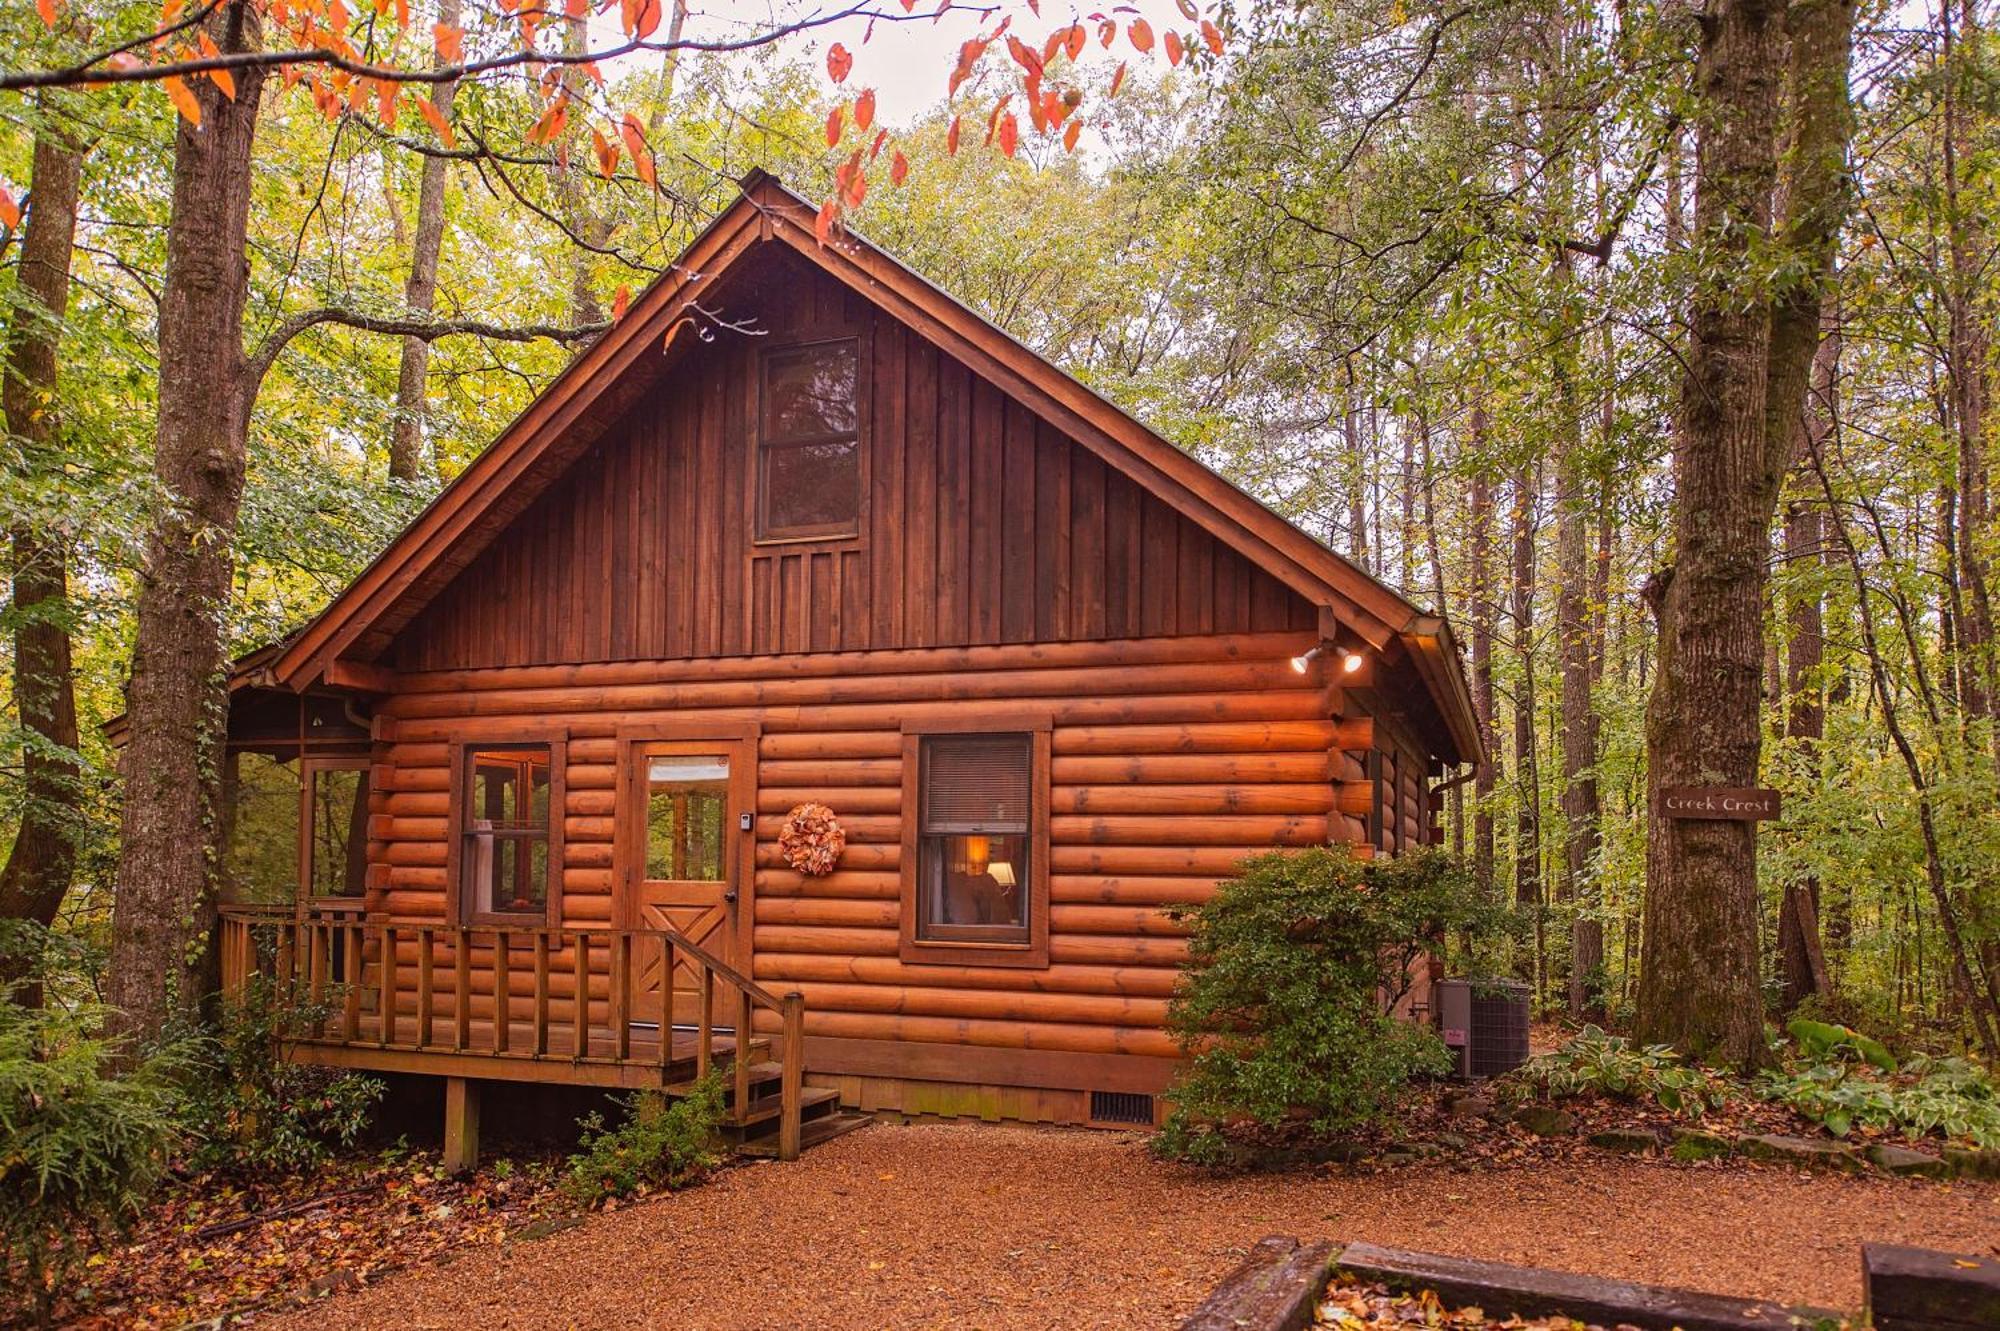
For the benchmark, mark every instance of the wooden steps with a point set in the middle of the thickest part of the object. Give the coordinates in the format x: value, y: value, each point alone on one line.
x: 821, y: 1129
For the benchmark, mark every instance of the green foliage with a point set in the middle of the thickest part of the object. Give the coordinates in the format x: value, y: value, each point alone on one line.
x: 1282, y: 1003
x: 80, y: 1146
x: 251, y: 1108
x: 1594, y: 1063
x: 1848, y: 1081
x: 658, y: 1145
x: 1820, y: 1040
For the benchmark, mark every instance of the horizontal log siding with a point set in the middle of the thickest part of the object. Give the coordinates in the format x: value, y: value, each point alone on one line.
x: 981, y: 525
x: 1172, y: 759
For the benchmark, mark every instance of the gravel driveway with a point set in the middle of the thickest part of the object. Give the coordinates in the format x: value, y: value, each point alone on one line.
x: 978, y: 1228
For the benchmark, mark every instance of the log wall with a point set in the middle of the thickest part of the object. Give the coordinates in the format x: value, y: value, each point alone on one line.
x: 1172, y: 759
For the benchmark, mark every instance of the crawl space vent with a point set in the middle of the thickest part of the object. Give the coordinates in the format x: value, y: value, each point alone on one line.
x: 1121, y: 1107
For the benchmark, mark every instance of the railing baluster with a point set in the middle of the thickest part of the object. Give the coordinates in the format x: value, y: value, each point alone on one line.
x: 793, y: 1076
x: 666, y: 1000
x: 287, y: 959
x: 742, y: 1053
x: 503, y: 997
x: 385, y: 993
x: 351, y: 981
x: 704, y: 1048
x: 426, y: 987
x: 580, y: 1003
x: 461, y: 1008
x: 621, y: 995
x: 320, y: 946
x: 541, y: 992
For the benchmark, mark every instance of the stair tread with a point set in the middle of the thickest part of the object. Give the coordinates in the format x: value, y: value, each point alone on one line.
x: 760, y: 1073
x: 810, y: 1134
x: 765, y: 1107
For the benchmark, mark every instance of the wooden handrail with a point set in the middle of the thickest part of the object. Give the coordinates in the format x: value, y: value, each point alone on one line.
x: 302, y: 959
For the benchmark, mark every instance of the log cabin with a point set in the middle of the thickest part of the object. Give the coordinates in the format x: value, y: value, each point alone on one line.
x: 800, y: 529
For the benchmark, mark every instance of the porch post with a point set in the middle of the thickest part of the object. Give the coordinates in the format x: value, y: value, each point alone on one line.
x: 461, y: 1125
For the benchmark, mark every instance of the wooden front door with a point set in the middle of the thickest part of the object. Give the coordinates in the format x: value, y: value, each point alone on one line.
x: 683, y: 853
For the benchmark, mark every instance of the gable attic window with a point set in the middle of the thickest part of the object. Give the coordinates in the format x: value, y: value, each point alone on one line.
x: 809, y: 444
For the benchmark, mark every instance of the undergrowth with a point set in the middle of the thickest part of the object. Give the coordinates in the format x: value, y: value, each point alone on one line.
x: 658, y: 1145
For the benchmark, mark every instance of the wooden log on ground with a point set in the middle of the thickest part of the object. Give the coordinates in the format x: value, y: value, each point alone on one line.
x: 1530, y: 1292
x: 1916, y: 1289
x: 1274, y: 1289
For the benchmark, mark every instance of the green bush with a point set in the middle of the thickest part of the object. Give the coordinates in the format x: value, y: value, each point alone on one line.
x: 80, y: 1147
x: 252, y: 1108
x: 1282, y: 1005
x: 658, y: 1145
x: 1596, y: 1063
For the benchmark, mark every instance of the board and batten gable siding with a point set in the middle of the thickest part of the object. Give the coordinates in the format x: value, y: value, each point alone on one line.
x: 981, y: 524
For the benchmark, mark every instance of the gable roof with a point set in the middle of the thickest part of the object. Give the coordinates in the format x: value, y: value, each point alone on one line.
x: 594, y: 390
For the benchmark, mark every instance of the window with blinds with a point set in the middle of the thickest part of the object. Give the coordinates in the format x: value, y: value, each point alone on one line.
x: 976, y: 801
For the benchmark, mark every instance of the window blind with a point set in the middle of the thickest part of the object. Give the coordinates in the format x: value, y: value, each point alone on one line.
x: 977, y: 783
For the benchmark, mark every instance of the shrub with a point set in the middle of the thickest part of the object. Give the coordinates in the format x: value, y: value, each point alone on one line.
x: 658, y: 1145
x: 252, y: 1108
x: 1948, y: 1097
x: 1596, y: 1063
x: 80, y: 1147
x: 1282, y: 1003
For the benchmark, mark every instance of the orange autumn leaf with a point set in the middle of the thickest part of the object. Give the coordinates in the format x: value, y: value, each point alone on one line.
x: 1073, y: 47
x: 834, y: 120
x: 635, y: 144
x: 435, y: 118
x: 182, y: 97
x: 1107, y: 32
x: 385, y: 102
x: 1212, y: 35
x: 875, y: 149
x: 10, y: 208
x: 839, y: 62
x: 823, y: 224
x: 1071, y: 135
x: 607, y: 153
x: 47, y: 9
x: 968, y: 57
x: 1172, y: 41
x: 450, y: 43
x: 1141, y: 33
x: 1117, y: 78
x: 951, y: 138
x: 899, y: 168
x: 864, y: 109
x: 221, y: 78
x: 620, y: 303
x: 1010, y: 134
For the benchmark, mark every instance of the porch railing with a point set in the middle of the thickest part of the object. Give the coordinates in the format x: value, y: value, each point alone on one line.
x: 521, y: 991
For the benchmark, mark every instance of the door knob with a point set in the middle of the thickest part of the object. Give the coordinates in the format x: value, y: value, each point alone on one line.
x: 730, y: 895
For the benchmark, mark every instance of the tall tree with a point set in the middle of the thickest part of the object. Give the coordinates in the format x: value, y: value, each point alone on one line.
x: 1742, y: 397
x: 406, y: 442
x: 43, y: 858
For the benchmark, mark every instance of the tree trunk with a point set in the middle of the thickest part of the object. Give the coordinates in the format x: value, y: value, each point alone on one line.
x: 43, y: 858
x: 406, y: 445
x: 1482, y: 658
x: 1527, y: 783
x: 177, y: 700
x: 1801, y: 954
x: 1698, y: 981
x: 670, y: 67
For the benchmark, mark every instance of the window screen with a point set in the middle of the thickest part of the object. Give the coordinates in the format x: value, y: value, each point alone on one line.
x: 504, y: 865
x: 973, y: 875
x: 809, y: 454
x: 260, y: 810
x: 337, y: 854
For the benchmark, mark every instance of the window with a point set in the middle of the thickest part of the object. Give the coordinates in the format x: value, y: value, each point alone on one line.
x: 976, y: 847
x: 808, y: 444
x: 336, y: 847
x: 260, y: 811
x: 505, y: 855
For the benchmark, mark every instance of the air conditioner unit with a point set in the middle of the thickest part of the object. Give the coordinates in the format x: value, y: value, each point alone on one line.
x: 1484, y: 1024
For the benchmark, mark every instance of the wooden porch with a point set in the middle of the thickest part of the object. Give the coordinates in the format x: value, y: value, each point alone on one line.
x: 624, y: 1008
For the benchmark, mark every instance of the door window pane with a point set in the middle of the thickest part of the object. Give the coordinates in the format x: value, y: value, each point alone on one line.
x: 337, y: 856
x: 687, y: 811
x: 505, y: 843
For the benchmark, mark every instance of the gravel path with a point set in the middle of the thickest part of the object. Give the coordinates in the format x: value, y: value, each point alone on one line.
x: 980, y: 1228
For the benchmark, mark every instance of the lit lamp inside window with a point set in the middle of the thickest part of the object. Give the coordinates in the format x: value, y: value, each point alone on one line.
x: 1003, y: 873
x: 975, y: 853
